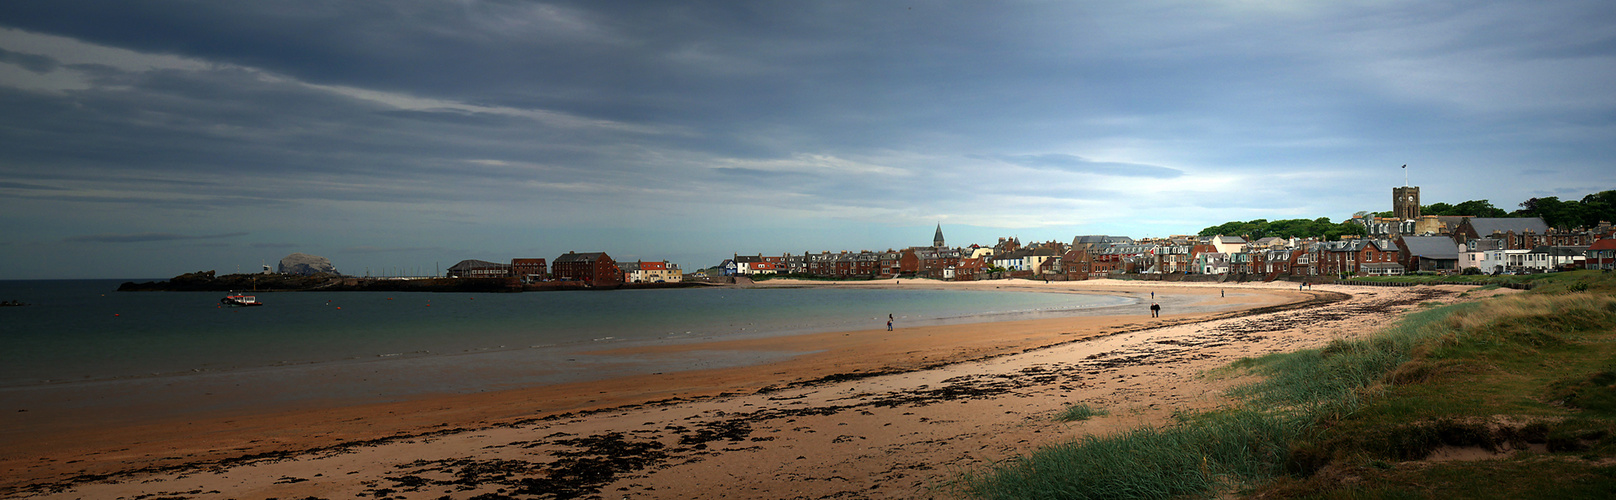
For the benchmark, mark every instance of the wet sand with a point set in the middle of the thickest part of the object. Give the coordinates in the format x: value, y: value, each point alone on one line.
x: 864, y: 414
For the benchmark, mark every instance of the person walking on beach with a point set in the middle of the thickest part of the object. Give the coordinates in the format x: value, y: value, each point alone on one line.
x: 1155, y: 310
x: 889, y: 324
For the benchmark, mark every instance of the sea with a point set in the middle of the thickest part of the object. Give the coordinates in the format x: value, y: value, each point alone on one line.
x: 83, y: 335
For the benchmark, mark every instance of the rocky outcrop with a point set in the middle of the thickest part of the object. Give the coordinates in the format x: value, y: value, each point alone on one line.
x: 206, y: 281
x: 306, y: 265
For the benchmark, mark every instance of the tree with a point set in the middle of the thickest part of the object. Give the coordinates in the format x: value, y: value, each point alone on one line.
x: 1472, y: 208
x: 1255, y: 229
x: 1286, y: 228
x: 1553, y: 211
x: 1438, y: 208
x: 1478, y: 208
x: 1599, y: 207
x: 1345, y: 228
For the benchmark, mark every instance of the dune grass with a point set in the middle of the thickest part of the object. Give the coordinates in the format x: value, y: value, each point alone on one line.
x: 1080, y: 412
x: 1440, y: 377
x: 1215, y: 450
x: 1541, y: 279
x: 1533, y: 376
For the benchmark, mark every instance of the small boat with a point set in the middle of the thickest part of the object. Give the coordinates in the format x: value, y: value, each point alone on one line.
x: 239, y: 300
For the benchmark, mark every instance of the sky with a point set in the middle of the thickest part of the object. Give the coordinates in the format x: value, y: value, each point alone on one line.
x: 145, y: 139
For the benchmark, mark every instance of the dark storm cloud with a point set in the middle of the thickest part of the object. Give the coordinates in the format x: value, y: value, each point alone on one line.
x: 503, y: 120
x: 21, y: 185
x: 827, y: 74
x: 753, y: 80
x: 146, y: 237
x: 234, y: 125
x: 31, y: 62
x: 165, y: 199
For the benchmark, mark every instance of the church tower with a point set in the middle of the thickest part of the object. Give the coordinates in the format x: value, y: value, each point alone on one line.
x: 937, y: 241
x: 1406, y: 202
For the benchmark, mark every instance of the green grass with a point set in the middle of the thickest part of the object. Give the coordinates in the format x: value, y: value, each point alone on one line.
x: 1529, y: 372
x: 1080, y: 412
x: 1354, y: 419
x: 1146, y: 462
x: 1560, y: 279
x: 1233, y: 448
x: 1554, y: 477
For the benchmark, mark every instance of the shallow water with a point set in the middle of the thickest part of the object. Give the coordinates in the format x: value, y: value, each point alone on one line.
x: 82, y: 332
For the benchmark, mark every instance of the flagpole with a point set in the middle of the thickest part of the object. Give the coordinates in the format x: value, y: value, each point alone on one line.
x: 1405, y: 175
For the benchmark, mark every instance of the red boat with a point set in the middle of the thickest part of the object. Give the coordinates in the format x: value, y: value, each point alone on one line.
x: 239, y: 300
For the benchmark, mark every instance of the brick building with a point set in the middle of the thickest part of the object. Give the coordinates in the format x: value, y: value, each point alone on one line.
x: 593, y: 268
x: 530, y: 270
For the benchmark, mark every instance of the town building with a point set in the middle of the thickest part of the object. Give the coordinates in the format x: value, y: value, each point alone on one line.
x: 1212, y: 263
x: 1356, y: 257
x: 1406, y: 202
x: 1517, y: 233
x: 1226, y: 244
x: 1035, y: 260
x: 1078, y: 263
x: 968, y: 269
x: 1428, y: 253
x: 1601, y: 255
x: 530, y: 270
x: 650, y: 272
x: 472, y: 268
x: 592, y: 268
x: 1440, y: 225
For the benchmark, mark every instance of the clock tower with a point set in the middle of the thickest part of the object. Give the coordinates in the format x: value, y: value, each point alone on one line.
x: 1406, y: 202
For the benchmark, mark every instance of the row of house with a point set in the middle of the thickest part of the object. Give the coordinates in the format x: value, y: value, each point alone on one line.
x: 1512, y: 245
x: 937, y: 261
x: 914, y: 261
x: 1489, y: 245
x: 592, y: 268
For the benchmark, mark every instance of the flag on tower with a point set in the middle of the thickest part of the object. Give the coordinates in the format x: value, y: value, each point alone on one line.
x: 1405, y: 166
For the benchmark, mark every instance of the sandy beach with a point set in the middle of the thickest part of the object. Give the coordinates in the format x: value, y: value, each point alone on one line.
x: 863, y: 414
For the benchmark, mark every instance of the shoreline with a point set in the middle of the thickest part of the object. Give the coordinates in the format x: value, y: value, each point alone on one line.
x: 836, y: 356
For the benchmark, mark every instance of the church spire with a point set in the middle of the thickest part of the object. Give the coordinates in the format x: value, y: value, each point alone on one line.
x: 937, y: 241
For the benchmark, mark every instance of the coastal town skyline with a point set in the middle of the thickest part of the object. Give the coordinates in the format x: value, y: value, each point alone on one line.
x: 1472, y: 237
x: 145, y: 140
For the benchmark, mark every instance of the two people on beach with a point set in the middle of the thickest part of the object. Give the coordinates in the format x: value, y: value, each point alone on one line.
x: 1155, y: 310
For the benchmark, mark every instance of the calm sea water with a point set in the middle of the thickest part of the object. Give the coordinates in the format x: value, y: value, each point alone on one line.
x: 84, y: 332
